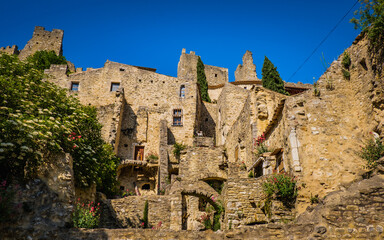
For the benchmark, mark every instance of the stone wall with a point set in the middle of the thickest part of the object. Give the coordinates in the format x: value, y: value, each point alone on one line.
x: 129, y: 211
x: 238, y: 143
x: 202, y: 163
x: 9, y: 50
x: 43, y: 40
x: 187, y: 69
x: 216, y: 75
x: 245, y: 203
x: 208, y: 119
x: 149, y: 97
x: 45, y: 203
x: 230, y: 104
x: 246, y: 71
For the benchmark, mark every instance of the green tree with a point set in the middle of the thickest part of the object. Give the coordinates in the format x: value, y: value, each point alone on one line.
x: 271, y: 77
x: 38, y: 118
x: 43, y: 59
x: 202, y: 80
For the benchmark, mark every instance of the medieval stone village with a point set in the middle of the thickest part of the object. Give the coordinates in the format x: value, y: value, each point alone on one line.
x: 192, y: 169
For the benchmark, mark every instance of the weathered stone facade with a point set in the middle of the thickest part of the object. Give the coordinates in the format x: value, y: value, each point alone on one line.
x: 313, y: 137
x: 44, y: 40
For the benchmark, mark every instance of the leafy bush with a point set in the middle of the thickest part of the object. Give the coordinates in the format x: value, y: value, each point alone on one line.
x: 371, y: 152
x: 152, y: 157
x: 177, y: 148
x: 43, y: 59
x: 86, y: 215
x: 371, y: 19
x: 38, y: 118
x: 260, y: 146
x: 281, y: 187
x: 346, y: 74
x: 250, y: 174
x: 346, y: 62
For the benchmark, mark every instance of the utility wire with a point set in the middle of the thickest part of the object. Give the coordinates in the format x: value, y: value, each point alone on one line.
x: 322, y: 41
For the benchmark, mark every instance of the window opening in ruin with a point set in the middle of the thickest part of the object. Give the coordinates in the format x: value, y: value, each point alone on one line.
x: 146, y: 186
x: 122, y: 69
x: 177, y: 117
x: 202, y: 204
x: 245, y: 87
x: 182, y: 91
x: 75, y: 86
x: 139, y: 153
x: 258, y: 170
x: 279, y: 162
x: 215, y: 74
x: 114, y: 87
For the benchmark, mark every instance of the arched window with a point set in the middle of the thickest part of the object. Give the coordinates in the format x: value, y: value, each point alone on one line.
x: 182, y: 91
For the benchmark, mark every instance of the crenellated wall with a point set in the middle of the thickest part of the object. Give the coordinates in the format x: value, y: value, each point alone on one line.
x: 44, y: 40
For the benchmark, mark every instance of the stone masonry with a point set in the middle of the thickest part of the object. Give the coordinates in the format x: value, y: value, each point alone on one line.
x: 315, y: 138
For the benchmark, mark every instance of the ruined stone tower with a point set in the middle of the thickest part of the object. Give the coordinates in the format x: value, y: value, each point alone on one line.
x: 247, y: 71
x: 43, y: 40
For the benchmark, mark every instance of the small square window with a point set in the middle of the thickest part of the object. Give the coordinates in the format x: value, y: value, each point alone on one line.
x: 177, y: 117
x: 215, y: 74
x: 75, y: 86
x: 114, y: 87
x: 177, y: 121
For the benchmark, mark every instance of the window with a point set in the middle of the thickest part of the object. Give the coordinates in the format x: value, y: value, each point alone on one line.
x: 75, y: 86
x: 182, y: 91
x: 114, y: 87
x: 146, y: 187
x: 215, y: 74
x: 177, y: 117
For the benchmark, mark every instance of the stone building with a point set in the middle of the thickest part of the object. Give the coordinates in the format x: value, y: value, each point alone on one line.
x: 314, y: 138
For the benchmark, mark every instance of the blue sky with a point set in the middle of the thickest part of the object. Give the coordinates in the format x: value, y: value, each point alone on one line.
x: 153, y: 33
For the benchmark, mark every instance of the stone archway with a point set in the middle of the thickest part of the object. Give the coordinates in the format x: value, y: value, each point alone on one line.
x: 200, y: 190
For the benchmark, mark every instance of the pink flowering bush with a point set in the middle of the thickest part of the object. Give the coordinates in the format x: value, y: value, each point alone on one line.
x: 86, y: 215
x: 282, y: 187
x: 260, y: 146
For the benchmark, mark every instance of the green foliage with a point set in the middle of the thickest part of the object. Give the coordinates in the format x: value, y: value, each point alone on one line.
x: 260, y: 146
x: 281, y: 187
x: 372, y: 152
x: 86, y: 215
x: 43, y: 59
x: 346, y: 62
x: 145, y: 214
x: 38, y: 118
x: 250, y: 174
x: 202, y: 81
x: 177, y: 148
x: 346, y: 74
x: 371, y: 20
x: 152, y: 157
x: 216, y: 217
x: 315, y: 199
x: 271, y: 77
